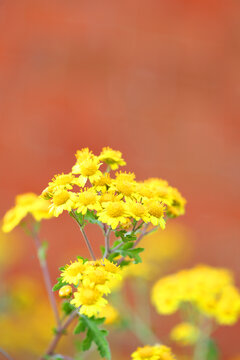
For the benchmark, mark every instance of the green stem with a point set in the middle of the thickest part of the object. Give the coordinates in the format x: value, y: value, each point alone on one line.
x: 84, y: 236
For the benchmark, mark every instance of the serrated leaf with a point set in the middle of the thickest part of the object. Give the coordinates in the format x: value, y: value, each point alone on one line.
x: 132, y: 253
x: 67, y: 308
x: 93, y: 334
x: 91, y: 217
x: 60, y: 283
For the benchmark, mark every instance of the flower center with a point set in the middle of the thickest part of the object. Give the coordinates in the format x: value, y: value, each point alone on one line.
x: 125, y: 187
x: 138, y: 209
x: 61, y: 198
x: 115, y: 210
x: 89, y: 296
x: 156, y: 209
x: 145, y: 352
x: 89, y: 167
x: 87, y: 198
x: 98, y: 277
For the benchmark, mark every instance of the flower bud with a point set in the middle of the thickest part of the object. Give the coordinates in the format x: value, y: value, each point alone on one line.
x: 65, y: 291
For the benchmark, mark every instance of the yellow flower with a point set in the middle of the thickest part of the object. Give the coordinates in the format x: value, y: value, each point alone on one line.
x: 40, y: 210
x: 73, y: 273
x: 98, y: 278
x: 185, y: 334
x: 113, y: 214
x: 157, y: 352
x: 87, y: 200
x: 88, y: 170
x: 110, y: 314
x: 124, y: 184
x: 61, y: 200
x: 178, y: 204
x: 103, y: 183
x: 113, y: 270
x: 25, y: 204
x: 62, y: 181
x: 156, y: 212
x: 89, y: 299
x: 165, y: 295
x: 112, y: 158
x: 13, y: 217
x: 137, y: 210
x: 227, y: 310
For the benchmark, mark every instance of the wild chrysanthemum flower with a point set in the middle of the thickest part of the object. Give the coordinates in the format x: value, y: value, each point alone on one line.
x: 89, y: 299
x: 98, y: 278
x: 113, y: 270
x: 87, y: 199
x: 185, y: 334
x: 12, y: 218
x: 61, y: 200
x: 157, y: 352
x: 73, y: 273
x: 28, y: 203
x: 156, y: 212
x: 62, y: 181
x: 124, y: 184
x: 112, y: 158
x: 209, y: 290
x: 113, y: 213
x: 103, y: 183
x: 137, y: 210
x: 88, y: 169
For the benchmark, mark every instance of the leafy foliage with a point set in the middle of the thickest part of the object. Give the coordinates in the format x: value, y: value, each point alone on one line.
x: 93, y: 334
x: 212, y: 350
x: 67, y: 308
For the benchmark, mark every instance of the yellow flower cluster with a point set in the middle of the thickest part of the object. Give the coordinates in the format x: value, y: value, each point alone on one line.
x: 116, y: 201
x: 93, y: 280
x: 210, y: 290
x: 185, y: 334
x: 157, y: 352
x: 25, y: 204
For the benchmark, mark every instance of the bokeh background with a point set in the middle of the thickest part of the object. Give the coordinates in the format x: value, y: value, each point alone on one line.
x: 158, y: 80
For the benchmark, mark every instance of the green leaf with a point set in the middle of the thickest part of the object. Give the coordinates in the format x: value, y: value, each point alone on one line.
x: 212, y: 350
x: 67, y: 308
x: 132, y: 253
x: 42, y: 251
x: 60, y: 283
x: 93, y: 334
x: 126, y: 236
x: 91, y: 217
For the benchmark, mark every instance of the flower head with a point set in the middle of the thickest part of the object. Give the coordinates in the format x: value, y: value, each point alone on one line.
x: 89, y: 299
x: 112, y: 158
x: 185, y: 334
x: 61, y: 200
x: 87, y: 200
x: 73, y: 273
x: 113, y: 213
x: 157, y: 352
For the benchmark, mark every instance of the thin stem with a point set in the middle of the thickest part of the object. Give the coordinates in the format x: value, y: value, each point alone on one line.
x: 60, y: 332
x: 46, y: 277
x: 5, y: 354
x: 107, y: 243
x: 84, y: 235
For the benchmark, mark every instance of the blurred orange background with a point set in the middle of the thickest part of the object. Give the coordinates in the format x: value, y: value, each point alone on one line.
x: 157, y: 80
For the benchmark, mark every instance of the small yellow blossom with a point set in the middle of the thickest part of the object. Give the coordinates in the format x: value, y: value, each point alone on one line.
x: 112, y: 158
x: 156, y: 212
x: 157, y: 352
x: 28, y: 203
x: 12, y: 218
x: 185, y: 334
x: 124, y: 184
x: 87, y: 200
x: 209, y: 290
x: 113, y: 213
x: 88, y: 170
x: 61, y: 200
x: 137, y: 210
x: 89, y: 299
x: 103, y: 183
x: 73, y: 273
